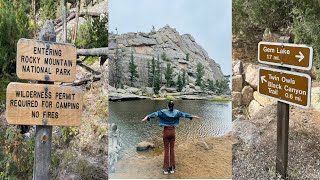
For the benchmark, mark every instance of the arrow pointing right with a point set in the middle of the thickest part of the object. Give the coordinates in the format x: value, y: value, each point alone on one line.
x: 300, y: 56
x: 263, y: 79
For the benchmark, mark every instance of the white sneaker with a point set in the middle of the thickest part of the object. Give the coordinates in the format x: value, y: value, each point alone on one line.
x: 165, y: 172
x: 172, y: 169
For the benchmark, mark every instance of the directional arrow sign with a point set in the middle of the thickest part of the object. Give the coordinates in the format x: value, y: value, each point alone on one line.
x: 284, y: 54
x: 285, y: 86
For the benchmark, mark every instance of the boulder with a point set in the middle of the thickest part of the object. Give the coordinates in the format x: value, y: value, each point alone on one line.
x: 145, y: 46
x: 193, y: 97
x: 143, y: 146
x: 263, y: 101
x: 237, y: 68
x: 171, y: 90
x: 191, y: 85
x: 236, y: 98
x: 254, y: 107
x: 237, y: 82
x: 111, y: 88
x: 133, y: 90
x: 247, y: 95
x: 251, y: 75
x: 125, y: 97
x: 122, y: 91
x: 197, y: 88
x: 149, y: 90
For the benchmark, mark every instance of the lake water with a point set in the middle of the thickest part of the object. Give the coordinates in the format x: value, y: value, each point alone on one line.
x: 127, y: 115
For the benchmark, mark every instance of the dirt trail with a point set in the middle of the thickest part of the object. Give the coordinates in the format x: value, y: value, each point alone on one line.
x: 193, y: 160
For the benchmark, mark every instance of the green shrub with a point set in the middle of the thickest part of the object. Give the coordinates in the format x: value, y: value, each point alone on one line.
x: 221, y: 99
x: 68, y: 133
x: 90, y: 60
x: 171, y: 98
x: 17, y: 155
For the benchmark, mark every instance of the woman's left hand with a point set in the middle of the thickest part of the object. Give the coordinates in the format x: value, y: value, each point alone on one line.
x: 196, y: 117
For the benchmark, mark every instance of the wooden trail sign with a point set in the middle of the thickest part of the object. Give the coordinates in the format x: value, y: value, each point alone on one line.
x: 296, y: 56
x: 46, y: 61
x: 43, y: 104
x: 285, y: 86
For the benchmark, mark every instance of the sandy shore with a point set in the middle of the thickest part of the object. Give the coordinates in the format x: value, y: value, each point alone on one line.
x: 212, y: 159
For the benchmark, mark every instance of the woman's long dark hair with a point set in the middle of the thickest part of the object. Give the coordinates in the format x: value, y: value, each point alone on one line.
x: 170, y: 105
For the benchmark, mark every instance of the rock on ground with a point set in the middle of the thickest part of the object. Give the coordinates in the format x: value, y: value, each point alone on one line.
x: 143, y: 146
x: 251, y: 75
x: 237, y: 83
x: 237, y: 68
x: 263, y: 101
x: 254, y: 107
x: 247, y: 95
x: 236, y: 98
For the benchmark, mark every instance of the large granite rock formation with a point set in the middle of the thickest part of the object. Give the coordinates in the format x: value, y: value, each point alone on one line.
x: 145, y: 46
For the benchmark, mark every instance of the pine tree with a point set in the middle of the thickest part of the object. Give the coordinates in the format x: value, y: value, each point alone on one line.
x: 168, y: 75
x: 199, y: 75
x: 164, y: 57
x: 157, y: 81
x: 15, y: 23
x: 151, y: 70
x: 222, y: 86
x: 159, y: 70
x: 149, y: 74
x: 184, y: 78
x: 211, y: 85
x: 133, y: 70
x: 48, y: 9
x: 179, y: 83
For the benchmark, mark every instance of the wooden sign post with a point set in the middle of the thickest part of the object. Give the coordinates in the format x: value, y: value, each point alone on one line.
x: 284, y: 86
x: 44, y: 104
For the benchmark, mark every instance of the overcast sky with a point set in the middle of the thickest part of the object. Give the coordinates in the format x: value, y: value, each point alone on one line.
x: 208, y: 21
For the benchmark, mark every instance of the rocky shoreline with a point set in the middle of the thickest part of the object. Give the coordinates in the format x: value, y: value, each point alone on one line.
x: 190, y: 92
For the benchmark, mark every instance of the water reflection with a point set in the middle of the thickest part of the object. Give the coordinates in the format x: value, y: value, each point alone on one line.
x: 128, y: 115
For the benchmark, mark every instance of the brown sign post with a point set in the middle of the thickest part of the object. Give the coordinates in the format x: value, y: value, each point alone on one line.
x: 285, y: 86
x: 45, y: 104
x: 285, y: 55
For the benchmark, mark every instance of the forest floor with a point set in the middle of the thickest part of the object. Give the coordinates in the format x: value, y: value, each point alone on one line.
x: 254, y: 155
x: 196, y: 159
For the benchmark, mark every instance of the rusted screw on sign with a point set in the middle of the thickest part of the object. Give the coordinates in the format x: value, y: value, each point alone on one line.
x: 44, y: 138
x: 46, y: 77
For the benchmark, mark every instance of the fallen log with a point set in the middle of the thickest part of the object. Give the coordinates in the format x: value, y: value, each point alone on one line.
x: 93, y: 52
x: 72, y: 15
x: 83, y: 81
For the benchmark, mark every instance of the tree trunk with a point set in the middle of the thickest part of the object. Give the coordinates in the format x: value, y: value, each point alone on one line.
x: 93, y: 52
x: 75, y: 30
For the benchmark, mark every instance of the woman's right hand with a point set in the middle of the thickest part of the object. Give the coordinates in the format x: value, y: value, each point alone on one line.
x: 145, y: 118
